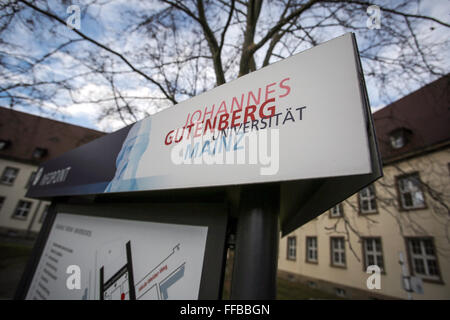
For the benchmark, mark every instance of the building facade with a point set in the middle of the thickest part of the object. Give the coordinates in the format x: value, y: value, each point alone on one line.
x: 26, y: 141
x: 400, y: 224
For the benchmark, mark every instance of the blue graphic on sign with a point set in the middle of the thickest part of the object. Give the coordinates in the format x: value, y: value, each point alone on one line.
x: 164, y: 287
x: 128, y: 159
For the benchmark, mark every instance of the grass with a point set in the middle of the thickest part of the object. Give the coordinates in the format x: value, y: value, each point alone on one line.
x: 290, y: 290
x: 286, y: 289
x: 13, y: 259
x: 11, y: 251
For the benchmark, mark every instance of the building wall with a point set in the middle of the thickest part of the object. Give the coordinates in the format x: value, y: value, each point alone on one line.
x: 27, y: 140
x: 390, y: 224
x: 12, y: 194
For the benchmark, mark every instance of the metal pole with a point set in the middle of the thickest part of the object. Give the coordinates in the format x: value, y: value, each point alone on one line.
x: 256, y: 253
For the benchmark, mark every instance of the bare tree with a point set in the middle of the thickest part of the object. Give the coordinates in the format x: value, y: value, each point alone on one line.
x: 435, y: 187
x: 178, y: 49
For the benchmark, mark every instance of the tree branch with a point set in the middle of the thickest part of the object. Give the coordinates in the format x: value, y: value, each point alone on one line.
x: 117, y: 54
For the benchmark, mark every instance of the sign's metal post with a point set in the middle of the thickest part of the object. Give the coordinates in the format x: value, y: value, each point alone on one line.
x: 256, y: 255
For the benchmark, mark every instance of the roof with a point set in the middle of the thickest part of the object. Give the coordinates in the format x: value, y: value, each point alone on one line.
x: 424, y: 115
x: 26, y: 132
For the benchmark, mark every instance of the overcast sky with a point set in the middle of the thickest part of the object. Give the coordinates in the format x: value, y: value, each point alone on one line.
x: 105, y: 25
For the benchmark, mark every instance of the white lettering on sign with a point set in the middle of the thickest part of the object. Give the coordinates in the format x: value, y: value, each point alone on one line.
x: 53, y: 177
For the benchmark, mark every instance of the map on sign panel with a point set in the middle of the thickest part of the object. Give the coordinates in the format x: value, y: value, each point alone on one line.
x: 154, y: 285
x: 119, y: 260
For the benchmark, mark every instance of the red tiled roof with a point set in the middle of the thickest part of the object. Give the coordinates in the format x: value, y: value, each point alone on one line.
x: 27, y: 132
x: 425, y: 113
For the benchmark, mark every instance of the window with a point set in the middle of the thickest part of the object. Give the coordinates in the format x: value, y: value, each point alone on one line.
x: 2, y: 201
x: 22, y: 210
x: 44, y: 213
x: 311, y: 249
x: 373, y: 253
x: 4, y: 144
x: 291, y: 248
x: 367, y: 200
x: 9, y: 175
x: 31, y: 179
x: 39, y: 153
x: 423, y: 260
x: 337, y: 211
x: 340, y: 292
x: 410, y: 192
x: 338, y: 252
x: 399, y: 138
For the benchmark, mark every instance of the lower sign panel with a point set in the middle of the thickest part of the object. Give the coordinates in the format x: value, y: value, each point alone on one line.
x: 113, y: 259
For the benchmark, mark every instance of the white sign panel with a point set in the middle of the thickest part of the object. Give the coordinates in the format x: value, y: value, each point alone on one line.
x: 303, y: 122
x: 113, y: 259
x: 299, y: 118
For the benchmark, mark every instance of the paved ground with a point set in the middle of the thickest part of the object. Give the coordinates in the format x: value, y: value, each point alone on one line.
x: 13, y: 258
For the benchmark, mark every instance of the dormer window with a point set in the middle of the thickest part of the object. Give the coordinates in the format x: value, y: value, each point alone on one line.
x: 399, y: 138
x: 39, y: 153
x: 336, y: 211
x: 4, y: 144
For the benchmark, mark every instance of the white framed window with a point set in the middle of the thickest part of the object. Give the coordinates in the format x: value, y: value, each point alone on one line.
x: 291, y: 248
x: 367, y: 200
x: 411, y: 195
x: 337, y: 211
x: 311, y: 249
x: 9, y: 175
x: 373, y: 253
x: 338, y: 251
x: 423, y: 258
x: 22, y: 210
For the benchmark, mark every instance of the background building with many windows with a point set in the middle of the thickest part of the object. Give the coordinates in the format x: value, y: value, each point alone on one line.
x: 25, y: 141
x: 401, y: 223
